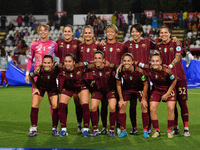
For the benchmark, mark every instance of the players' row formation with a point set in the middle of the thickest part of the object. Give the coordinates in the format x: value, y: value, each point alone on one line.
x: 90, y: 67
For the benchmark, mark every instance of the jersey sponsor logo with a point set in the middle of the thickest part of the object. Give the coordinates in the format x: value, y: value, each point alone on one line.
x: 49, y: 47
x: 88, y: 50
x: 143, y: 45
x: 178, y: 48
x: 171, y: 49
x: 136, y: 46
x: 118, y: 50
x: 172, y: 77
x: 94, y: 49
x: 165, y: 50
x: 110, y: 49
x: 61, y: 45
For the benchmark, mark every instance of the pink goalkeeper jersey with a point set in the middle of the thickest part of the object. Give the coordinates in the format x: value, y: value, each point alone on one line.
x: 38, y: 50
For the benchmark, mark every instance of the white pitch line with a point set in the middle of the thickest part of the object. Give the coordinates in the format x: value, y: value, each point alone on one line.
x: 193, y: 93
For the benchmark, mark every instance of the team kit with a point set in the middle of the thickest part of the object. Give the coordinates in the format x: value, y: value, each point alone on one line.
x: 111, y: 73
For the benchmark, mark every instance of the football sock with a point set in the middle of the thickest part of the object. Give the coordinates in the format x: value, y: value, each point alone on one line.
x: 94, y: 118
x: 145, y: 120
x: 86, y: 115
x: 34, y: 116
x: 132, y: 113
x: 55, y: 118
x: 155, y: 125
x: 79, y: 113
x: 170, y: 125
x: 62, y: 114
x: 122, y: 119
x: 112, y: 119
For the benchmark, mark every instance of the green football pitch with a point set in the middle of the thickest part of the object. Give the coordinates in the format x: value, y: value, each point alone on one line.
x: 15, y: 122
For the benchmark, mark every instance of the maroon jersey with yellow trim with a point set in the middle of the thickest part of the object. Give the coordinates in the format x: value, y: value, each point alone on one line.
x: 47, y: 80
x: 86, y: 52
x: 113, y: 52
x: 161, y: 79
x: 70, y: 80
x: 102, y: 80
x: 132, y: 80
x: 168, y: 52
x: 141, y: 50
x: 67, y: 47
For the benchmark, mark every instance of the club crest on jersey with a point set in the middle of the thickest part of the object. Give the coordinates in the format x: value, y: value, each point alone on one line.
x: 171, y: 49
x: 130, y: 45
x: 67, y: 46
x: 111, y: 49
x: 94, y: 49
x: 178, y: 48
x: 136, y: 46
x: 165, y: 50
x: 88, y: 50
x: 107, y: 73
x: 118, y: 50
x: 100, y: 74
x: 81, y: 49
x: 49, y: 47
x: 71, y: 75
x: 143, y: 45
x: 104, y: 48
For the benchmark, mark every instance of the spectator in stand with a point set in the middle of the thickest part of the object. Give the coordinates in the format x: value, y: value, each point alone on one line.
x: 154, y: 22
x: 189, y: 25
x: 26, y: 33
x: 17, y: 34
x: 120, y: 20
x: 151, y: 32
x: 194, y: 27
x: 187, y: 43
x: 114, y: 19
x: 143, y: 19
x: 55, y: 19
x: 22, y: 33
x: 188, y: 57
x: 9, y: 42
x: 104, y: 23
x: 88, y: 19
x: 77, y: 33
x: 3, y: 66
x: 116, y: 14
x: 198, y: 26
x: 18, y: 48
x: 185, y: 17
x: 175, y: 19
x: 11, y: 26
x: 93, y: 18
x: 3, y: 21
x: 125, y: 27
x: 26, y: 20
x: 193, y: 39
x: 11, y: 37
x: 19, y: 20
x: 180, y: 19
x: 87, y: 22
x: 160, y: 21
x: 63, y: 19
x: 31, y: 19
x: 196, y: 18
x: 146, y: 33
x: 10, y: 54
x: 130, y: 18
x: 34, y: 26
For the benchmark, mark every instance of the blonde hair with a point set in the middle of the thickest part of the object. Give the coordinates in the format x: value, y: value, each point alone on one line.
x: 157, y: 53
x: 43, y: 25
x: 112, y: 26
x: 88, y: 26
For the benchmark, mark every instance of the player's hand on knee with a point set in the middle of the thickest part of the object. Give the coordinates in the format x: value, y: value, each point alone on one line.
x: 144, y: 103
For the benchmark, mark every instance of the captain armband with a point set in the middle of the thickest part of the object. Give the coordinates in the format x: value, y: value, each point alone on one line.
x: 32, y: 74
x: 116, y: 76
x: 143, y: 78
x: 141, y: 65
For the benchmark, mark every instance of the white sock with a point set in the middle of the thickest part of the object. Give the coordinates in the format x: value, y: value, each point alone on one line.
x: 53, y: 128
x: 64, y: 129
x: 186, y: 128
x: 34, y: 128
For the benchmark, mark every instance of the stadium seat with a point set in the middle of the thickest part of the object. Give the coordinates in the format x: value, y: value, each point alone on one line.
x: 6, y: 48
x: 197, y: 46
x: 192, y: 46
x: 52, y: 28
x: 198, y: 42
x: 189, y: 34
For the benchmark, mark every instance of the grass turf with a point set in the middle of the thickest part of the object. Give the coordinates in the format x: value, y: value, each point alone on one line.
x: 15, y: 122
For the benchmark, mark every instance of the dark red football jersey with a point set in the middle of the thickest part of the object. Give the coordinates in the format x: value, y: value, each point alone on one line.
x: 132, y: 80
x: 47, y: 80
x: 86, y: 52
x: 113, y: 52
x: 168, y: 52
x: 70, y: 80
x: 141, y: 50
x: 67, y: 47
x: 161, y: 79
x: 102, y: 80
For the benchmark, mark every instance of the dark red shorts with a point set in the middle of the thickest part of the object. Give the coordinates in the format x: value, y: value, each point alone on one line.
x: 99, y: 95
x: 156, y: 96
x: 181, y: 88
x: 70, y: 93
x: 131, y: 95
x: 49, y: 93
